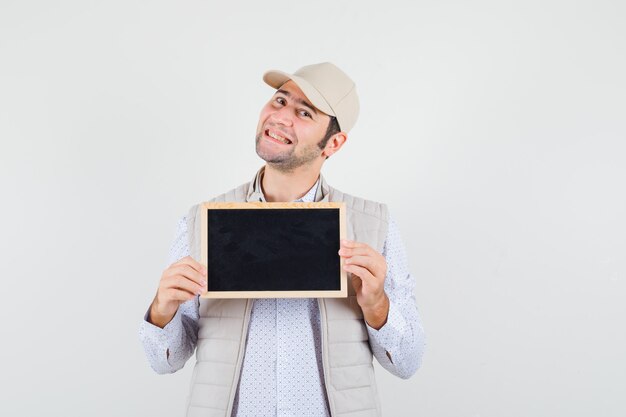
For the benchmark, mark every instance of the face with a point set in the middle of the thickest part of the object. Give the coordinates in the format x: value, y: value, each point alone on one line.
x: 290, y: 129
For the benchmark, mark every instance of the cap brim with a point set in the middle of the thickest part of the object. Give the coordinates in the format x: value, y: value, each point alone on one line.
x: 275, y: 78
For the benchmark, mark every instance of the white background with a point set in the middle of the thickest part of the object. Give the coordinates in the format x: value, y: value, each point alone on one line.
x: 494, y: 130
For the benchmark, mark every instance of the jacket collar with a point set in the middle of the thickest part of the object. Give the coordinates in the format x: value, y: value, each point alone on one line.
x: 255, y: 193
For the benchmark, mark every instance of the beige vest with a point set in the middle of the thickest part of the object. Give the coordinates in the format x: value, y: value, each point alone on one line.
x: 346, y: 354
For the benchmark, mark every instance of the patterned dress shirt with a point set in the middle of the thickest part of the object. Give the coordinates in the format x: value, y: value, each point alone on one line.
x: 282, y: 372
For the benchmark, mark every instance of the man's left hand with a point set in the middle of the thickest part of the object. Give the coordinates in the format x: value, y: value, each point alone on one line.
x: 368, y: 269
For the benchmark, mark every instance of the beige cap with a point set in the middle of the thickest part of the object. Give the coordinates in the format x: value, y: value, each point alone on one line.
x: 327, y: 87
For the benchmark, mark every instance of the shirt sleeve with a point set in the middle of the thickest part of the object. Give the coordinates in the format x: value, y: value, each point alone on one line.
x: 399, y: 345
x: 169, y: 348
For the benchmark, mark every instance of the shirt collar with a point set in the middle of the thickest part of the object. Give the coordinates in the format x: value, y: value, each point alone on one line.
x: 255, y: 193
x: 309, y: 197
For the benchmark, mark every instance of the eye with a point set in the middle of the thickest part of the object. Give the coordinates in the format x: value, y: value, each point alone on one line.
x: 306, y: 114
x: 280, y: 100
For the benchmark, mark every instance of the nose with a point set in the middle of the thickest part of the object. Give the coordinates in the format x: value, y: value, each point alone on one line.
x: 282, y: 116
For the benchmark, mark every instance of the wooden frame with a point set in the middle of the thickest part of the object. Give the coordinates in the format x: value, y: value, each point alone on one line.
x: 341, y: 293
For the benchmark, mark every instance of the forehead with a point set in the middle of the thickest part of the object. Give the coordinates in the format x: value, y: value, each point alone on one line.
x: 293, y: 89
x: 295, y: 93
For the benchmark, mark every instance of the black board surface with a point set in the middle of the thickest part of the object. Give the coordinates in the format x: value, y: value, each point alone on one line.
x: 289, y: 249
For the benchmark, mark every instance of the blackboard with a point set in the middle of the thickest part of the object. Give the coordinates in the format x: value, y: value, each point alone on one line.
x: 273, y: 250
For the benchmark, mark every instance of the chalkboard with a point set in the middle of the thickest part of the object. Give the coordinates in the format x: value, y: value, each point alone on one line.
x: 273, y: 250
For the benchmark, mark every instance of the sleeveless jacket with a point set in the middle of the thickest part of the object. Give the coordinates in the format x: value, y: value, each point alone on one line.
x: 346, y: 354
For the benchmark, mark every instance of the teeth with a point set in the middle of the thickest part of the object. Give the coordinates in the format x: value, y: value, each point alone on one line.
x: 280, y: 138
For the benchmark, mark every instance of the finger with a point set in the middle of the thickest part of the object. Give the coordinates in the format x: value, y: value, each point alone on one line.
x: 359, y: 271
x: 371, y: 264
x: 357, y: 283
x: 188, y: 272
x: 185, y: 272
x: 363, y: 250
x: 183, y: 283
x: 188, y: 260
x: 352, y: 243
x: 179, y: 295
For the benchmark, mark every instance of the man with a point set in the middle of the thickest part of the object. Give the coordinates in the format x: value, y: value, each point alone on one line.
x: 292, y: 357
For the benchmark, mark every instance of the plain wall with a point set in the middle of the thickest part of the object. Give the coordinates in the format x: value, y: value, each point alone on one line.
x: 495, y: 131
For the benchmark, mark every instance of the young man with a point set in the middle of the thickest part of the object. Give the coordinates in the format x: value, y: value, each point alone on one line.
x: 292, y: 357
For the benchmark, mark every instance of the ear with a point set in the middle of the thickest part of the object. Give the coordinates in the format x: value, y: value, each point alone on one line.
x: 335, y: 143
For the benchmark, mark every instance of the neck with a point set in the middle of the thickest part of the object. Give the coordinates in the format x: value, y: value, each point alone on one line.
x: 279, y: 186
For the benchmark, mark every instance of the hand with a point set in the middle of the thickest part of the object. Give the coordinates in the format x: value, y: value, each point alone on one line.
x: 368, y: 269
x: 180, y: 282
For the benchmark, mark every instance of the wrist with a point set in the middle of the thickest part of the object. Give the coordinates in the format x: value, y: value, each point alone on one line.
x: 376, y: 314
x: 160, y: 315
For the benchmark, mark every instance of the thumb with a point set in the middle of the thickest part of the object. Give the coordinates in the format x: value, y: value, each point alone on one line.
x: 356, y: 283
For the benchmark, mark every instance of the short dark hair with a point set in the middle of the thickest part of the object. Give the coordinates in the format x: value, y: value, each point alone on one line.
x: 333, y: 127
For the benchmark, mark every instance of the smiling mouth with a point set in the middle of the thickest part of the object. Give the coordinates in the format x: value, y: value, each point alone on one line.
x: 277, y: 138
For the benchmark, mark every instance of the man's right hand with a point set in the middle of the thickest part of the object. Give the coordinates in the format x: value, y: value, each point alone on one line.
x: 180, y: 282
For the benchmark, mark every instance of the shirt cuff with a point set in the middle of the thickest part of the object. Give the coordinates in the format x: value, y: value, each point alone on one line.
x: 389, y: 336
x: 162, y: 337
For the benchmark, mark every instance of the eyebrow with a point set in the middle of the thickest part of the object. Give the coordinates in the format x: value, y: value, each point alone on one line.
x: 299, y: 100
